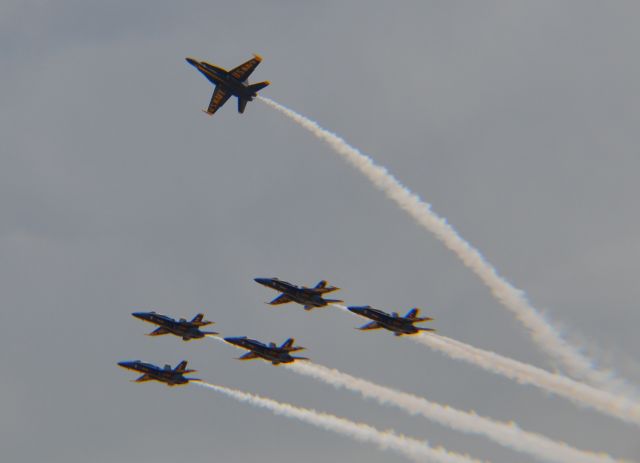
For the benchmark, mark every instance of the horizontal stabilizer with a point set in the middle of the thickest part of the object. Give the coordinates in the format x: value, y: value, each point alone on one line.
x: 242, y: 104
x: 255, y: 88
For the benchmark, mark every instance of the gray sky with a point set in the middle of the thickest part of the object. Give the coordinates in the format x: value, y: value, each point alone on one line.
x: 516, y: 120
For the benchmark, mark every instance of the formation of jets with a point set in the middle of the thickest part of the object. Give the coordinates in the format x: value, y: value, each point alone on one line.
x: 309, y: 298
x: 228, y: 83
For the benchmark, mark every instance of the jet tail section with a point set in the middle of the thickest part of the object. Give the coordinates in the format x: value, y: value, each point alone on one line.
x: 242, y: 103
x: 322, y: 287
x: 287, y: 344
x: 255, y: 88
x: 414, y: 314
x: 182, y: 368
x: 289, y: 347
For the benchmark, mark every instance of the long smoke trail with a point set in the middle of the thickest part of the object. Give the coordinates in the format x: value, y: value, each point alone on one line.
x: 544, y: 334
x: 407, y: 446
x: 506, y: 434
x: 605, y: 402
x: 582, y: 394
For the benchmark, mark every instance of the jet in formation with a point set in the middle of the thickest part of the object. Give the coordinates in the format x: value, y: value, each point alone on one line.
x: 271, y: 353
x: 307, y: 297
x: 392, y: 322
x: 169, y: 376
x: 187, y: 330
x: 228, y: 83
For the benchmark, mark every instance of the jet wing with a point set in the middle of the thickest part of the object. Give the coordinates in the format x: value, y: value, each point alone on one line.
x: 159, y: 332
x: 282, y: 299
x: 143, y: 378
x: 243, y: 71
x: 371, y: 326
x: 248, y: 356
x: 220, y: 97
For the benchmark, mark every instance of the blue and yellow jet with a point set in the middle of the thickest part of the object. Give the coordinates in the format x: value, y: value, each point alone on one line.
x: 309, y: 298
x: 233, y: 82
x: 183, y: 328
x: 169, y: 376
x: 392, y: 322
x: 271, y: 352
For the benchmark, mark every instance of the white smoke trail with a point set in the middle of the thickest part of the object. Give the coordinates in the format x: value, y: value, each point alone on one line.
x: 544, y: 334
x: 341, y: 307
x: 407, y: 446
x: 605, y: 402
x: 506, y: 434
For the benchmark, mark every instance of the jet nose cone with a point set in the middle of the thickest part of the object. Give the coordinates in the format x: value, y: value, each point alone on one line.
x: 125, y: 364
x: 235, y: 340
x: 140, y: 315
x: 192, y: 62
x: 263, y: 281
x: 355, y: 309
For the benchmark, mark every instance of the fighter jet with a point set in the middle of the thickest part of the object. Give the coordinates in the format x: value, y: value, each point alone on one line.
x: 167, y: 375
x: 271, y: 353
x: 394, y: 322
x: 308, y: 297
x: 181, y: 328
x: 233, y: 82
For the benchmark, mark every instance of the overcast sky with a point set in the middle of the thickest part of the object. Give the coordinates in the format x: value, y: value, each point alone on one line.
x: 517, y: 120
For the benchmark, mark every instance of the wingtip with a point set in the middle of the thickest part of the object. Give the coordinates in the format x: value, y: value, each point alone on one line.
x: 257, y: 56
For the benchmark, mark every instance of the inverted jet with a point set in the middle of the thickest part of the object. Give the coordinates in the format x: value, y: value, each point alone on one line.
x: 187, y: 330
x: 271, y: 352
x: 307, y: 297
x: 392, y: 322
x: 228, y: 83
x: 169, y: 376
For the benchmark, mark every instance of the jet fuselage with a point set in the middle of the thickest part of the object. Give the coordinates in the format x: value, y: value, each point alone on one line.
x: 219, y: 76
